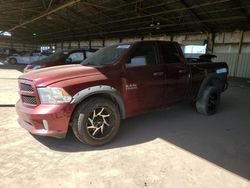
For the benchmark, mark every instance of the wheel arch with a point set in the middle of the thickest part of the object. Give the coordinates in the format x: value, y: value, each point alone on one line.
x: 104, y: 91
x: 212, y: 79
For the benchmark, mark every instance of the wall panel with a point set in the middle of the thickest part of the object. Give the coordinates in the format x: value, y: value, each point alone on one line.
x: 244, y: 66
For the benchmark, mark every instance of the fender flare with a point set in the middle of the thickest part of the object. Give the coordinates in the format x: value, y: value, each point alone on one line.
x: 100, y: 89
x: 211, y: 77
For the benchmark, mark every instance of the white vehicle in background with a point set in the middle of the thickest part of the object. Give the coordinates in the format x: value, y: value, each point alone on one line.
x: 25, y: 58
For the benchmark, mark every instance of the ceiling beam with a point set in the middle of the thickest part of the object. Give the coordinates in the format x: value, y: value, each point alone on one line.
x: 44, y: 15
x: 243, y: 8
x: 147, y: 21
x: 131, y: 12
x: 195, y: 15
x: 82, y: 18
x: 50, y: 3
x: 134, y: 18
x: 131, y: 30
x: 102, y: 7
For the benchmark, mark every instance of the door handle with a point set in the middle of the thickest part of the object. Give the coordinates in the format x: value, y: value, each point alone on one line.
x: 158, y: 73
x: 182, y: 70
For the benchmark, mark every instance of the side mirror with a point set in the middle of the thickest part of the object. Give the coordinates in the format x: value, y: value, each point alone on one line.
x: 68, y: 60
x: 137, y: 62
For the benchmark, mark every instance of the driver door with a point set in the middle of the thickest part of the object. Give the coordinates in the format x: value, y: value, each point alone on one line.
x: 144, y: 78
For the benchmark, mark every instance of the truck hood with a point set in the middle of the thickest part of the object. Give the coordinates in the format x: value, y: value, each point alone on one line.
x: 47, y: 76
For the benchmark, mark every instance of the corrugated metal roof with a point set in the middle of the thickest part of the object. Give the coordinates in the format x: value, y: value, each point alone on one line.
x: 54, y: 20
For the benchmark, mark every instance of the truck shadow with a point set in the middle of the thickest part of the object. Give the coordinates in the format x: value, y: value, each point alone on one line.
x: 218, y: 139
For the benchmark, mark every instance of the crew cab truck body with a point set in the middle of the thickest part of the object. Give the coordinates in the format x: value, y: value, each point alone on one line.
x: 116, y: 82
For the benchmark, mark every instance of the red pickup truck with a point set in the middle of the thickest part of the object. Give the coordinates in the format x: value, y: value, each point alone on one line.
x: 116, y: 82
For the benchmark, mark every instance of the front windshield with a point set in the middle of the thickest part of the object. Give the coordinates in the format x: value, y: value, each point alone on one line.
x: 56, y: 56
x: 108, y: 55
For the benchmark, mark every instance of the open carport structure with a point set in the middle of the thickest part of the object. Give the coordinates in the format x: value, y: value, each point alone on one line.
x: 173, y: 147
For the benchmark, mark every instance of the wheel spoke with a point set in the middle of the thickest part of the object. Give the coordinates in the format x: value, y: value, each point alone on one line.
x: 91, y: 121
x: 94, y: 114
x: 95, y: 131
x: 104, y: 116
x: 105, y: 122
x: 102, y: 127
x: 99, y: 120
x: 91, y: 127
x: 99, y: 114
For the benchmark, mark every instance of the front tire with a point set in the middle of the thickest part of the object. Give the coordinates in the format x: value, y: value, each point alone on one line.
x: 209, y: 102
x: 96, y: 121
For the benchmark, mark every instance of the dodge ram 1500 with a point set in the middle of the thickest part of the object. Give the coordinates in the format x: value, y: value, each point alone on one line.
x: 116, y: 82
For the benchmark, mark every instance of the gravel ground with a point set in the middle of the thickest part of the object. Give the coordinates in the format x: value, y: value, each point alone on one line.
x: 176, y: 147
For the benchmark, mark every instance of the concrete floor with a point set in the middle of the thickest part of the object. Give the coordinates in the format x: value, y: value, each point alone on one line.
x: 176, y: 147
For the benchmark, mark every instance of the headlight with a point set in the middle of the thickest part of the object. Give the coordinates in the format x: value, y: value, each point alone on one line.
x: 53, y: 95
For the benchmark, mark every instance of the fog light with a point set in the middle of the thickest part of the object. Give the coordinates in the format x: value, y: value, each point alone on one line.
x: 45, y: 124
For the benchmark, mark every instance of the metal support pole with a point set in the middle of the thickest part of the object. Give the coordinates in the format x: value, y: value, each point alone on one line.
x: 239, y: 52
x: 210, y: 46
x: 103, y: 42
x: 69, y: 47
x: 89, y: 43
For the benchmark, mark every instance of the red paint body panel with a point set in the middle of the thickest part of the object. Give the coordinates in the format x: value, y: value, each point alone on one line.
x: 57, y: 116
x: 141, y: 88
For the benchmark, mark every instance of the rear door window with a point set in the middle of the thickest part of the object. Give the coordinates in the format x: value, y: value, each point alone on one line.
x: 170, y: 53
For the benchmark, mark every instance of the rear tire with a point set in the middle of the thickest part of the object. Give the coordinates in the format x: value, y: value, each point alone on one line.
x: 209, y: 101
x: 13, y: 61
x: 96, y: 121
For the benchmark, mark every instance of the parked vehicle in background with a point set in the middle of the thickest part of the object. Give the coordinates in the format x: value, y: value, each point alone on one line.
x: 64, y: 57
x: 25, y: 58
x: 5, y: 52
x: 116, y: 82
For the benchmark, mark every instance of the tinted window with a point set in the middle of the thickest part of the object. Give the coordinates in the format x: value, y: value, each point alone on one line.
x: 147, y: 52
x: 170, y: 53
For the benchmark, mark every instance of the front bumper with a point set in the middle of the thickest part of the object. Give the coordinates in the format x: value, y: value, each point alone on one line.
x: 45, y: 120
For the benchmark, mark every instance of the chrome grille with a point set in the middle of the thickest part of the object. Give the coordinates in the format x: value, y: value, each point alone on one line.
x: 26, y: 87
x: 29, y: 99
